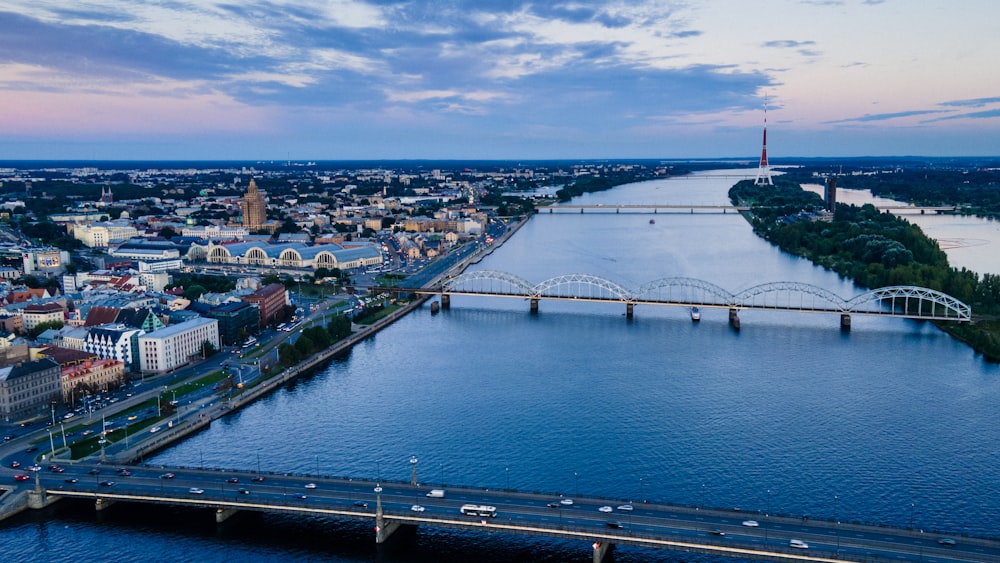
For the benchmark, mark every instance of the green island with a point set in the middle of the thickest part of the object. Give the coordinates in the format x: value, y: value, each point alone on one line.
x: 874, y: 249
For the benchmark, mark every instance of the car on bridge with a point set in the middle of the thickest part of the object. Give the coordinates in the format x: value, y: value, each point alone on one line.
x: 196, y: 491
x: 614, y: 524
x: 947, y: 541
x: 798, y: 544
x: 605, y: 509
x: 750, y: 523
x: 167, y: 476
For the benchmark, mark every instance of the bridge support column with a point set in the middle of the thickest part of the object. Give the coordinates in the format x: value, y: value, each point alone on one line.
x: 845, y: 323
x: 628, y: 310
x: 734, y: 319
x: 534, y: 306
x: 223, y: 514
x: 435, y: 307
x: 600, y: 550
x: 103, y: 504
x: 445, y: 301
x: 383, y: 529
x: 581, y: 211
x: 38, y: 499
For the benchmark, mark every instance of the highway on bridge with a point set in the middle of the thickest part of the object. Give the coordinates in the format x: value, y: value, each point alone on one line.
x: 644, y: 524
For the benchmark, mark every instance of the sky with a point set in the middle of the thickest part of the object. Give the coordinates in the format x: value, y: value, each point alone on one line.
x: 497, y: 79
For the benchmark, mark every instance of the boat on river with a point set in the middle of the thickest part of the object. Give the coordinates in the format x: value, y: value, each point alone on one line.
x: 695, y: 314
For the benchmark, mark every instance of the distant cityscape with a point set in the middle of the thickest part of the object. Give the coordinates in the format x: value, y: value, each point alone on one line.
x: 99, y: 265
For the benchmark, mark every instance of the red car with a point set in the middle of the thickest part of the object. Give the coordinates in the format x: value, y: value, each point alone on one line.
x: 21, y: 477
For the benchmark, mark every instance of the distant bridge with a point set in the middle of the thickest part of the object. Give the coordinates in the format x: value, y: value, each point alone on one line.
x: 896, y: 301
x: 640, y: 208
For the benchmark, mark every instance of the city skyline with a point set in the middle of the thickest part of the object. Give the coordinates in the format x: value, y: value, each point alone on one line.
x: 467, y: 79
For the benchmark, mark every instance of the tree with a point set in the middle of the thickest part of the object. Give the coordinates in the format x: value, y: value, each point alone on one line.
x: 207, y: 349
x: 42, y: 327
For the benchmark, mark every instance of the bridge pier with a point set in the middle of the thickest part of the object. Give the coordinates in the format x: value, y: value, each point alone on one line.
x: 734, y: 319
x: 581, y: 211
x: 629, y: 307
x: 445, y: 301
x: 384, y: 528
x: 600, y: 550
x: 103, y: 504
x: 435, y: 307
x: 845, y: 323
x: 223, y: 514
x: 534, y: 306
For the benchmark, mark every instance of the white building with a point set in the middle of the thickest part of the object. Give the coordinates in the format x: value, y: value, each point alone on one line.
x: 100, y: 235
x: 216, y: 232
x: 176, y: 345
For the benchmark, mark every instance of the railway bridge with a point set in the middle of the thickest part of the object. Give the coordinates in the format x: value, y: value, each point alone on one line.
x: 908, y: 302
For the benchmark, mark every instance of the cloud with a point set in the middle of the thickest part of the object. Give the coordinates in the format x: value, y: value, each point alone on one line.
x: 987, y: 114
x: 884, y: 116
x: 787, y: 44
x: 976, y: 102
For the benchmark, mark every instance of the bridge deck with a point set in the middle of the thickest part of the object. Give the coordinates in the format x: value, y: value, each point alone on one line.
x: 650, y: 525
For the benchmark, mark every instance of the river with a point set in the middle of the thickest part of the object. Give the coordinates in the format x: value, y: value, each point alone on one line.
x: 893, y: 422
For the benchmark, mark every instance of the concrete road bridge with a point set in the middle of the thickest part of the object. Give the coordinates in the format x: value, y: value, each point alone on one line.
x: 598, y: 523
x: 908, y: 302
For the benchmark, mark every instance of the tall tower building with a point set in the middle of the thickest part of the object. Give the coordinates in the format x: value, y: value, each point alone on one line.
x: 254, y: 208
x: 830, y: 194
x: 764, y: 171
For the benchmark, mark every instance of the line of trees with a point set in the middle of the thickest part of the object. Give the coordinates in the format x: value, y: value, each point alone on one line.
x: 314, y: 339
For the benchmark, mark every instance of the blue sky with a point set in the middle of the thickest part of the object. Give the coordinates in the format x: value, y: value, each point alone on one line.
x: 492, y: 79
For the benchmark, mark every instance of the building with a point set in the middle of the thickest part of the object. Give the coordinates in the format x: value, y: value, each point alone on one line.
x: 254, y: 208
x: 116, y: 342
x: 91, y: 377
x: 36, y: 314
x: 28, y: 389
x: 216, y: 232
x: 236, y: 321
x: 100, y: 235
x: 177, y: 345
x: 271, y: 301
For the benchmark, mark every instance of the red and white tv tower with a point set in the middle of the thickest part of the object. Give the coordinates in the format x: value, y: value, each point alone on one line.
x: 764, y: 172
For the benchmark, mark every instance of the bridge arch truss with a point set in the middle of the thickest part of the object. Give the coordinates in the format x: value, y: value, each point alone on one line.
x: 910, y: 301
x: 489, y: 282
x: 581, y: 286
x: 689, y: 291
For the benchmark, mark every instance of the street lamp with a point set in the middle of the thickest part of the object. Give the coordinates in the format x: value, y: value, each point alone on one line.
x: 836, y: 518
x: 507, y: 473
x: 576, y: 476
x: 413, y: 470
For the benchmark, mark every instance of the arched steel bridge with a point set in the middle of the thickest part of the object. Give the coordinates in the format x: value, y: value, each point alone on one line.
x: 895, y: 301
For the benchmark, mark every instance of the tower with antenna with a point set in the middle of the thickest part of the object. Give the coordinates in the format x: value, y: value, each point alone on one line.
x: 764, y: 171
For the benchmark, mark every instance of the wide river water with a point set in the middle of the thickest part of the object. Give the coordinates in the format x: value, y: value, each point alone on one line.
x: 893, y: 422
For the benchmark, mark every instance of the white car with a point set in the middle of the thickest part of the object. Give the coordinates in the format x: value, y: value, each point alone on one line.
x: 625, y: 507
x: 196, y: 491
x: 605, y: 509
x: 750, y: 523
x: 310, y: 485
x: 567, y: 501
x: 798, y: 544
x: 417, y: 508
